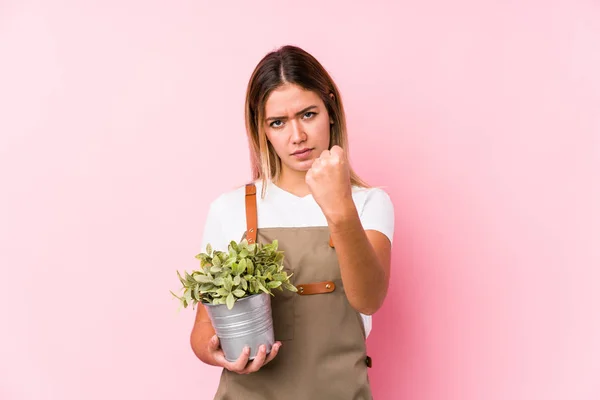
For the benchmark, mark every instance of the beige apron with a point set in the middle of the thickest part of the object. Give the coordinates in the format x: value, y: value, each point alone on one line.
x: 323, y: 353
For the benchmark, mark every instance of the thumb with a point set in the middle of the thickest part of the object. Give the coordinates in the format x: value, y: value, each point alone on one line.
x: 214, y: 342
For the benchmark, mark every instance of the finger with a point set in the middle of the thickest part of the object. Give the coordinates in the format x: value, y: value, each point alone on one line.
x: 213, y: 343
x: 258, y: 360
x: 325, y: 154
x: 316, y: 164
x: 214, y: 347
x: 273, y: 353
x: 309, y: 179
x: 240, y: 364
x: 220, y: 359
x: 337, y: 151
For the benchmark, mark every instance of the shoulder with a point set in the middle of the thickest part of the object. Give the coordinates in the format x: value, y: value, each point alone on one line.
x: 226, y: 218
x: 229, y: 200
x: 371, y: 197
x: 376, y: 209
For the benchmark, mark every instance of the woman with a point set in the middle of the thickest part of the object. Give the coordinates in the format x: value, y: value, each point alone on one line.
x: 336, y: 234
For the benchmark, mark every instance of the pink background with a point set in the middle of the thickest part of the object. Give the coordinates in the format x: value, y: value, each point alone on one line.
x: 121, y: 120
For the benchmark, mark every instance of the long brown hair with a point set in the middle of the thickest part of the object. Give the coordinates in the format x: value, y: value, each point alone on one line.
x: 289, y: 64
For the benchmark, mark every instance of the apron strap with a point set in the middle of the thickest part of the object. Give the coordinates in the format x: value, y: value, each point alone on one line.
x: 251, y: 218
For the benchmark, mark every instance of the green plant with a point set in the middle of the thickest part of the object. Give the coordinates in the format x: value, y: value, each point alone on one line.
x: 245, y: 269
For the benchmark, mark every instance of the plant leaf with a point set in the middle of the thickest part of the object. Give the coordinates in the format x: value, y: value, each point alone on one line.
x: 280, y: 277
x: 201, y: 278
x: 225, y: 273
x: 249, y: 266
x: 290, y: 287
x: 242, y: 266
x: 239, y: 293
x: 229, y: 261
x: 209, y: 249
x: 279, y: 258
x: 183, y: 282
x: 244, y: 284
x: 263, y: 288
x: 273, y: 284
x: 230, y: 301
x: 206, y: 287
x: 216, y: 261
x: 218, y: 281
x: 228, y: 283
x: 188, y: 296
x: 236, y: 280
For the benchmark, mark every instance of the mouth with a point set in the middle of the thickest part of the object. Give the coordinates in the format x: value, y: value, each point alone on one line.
x: 301, y: 152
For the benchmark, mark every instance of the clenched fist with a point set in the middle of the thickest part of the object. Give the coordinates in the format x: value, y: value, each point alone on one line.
x: 328, y: 180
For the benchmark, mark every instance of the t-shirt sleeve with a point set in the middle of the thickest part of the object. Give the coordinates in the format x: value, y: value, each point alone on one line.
x: 378, y: 213
x: 213, y: 230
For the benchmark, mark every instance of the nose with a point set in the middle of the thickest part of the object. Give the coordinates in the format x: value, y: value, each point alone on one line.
x: 298, y: 134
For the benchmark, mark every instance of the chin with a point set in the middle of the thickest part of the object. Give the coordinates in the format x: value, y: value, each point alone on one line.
x: 303, y: 167
x: 300, y: 166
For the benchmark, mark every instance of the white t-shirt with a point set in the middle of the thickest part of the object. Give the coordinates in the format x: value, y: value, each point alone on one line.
x: 226, y: 219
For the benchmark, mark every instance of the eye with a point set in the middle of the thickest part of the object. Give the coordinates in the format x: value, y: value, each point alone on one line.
x: 309, y: 115
x: 276, y: 124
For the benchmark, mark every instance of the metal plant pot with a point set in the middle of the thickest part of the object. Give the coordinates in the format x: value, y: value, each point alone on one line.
x: 248, y: 323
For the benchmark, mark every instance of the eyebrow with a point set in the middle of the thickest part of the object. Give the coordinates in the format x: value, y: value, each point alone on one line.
x: 297, y: 114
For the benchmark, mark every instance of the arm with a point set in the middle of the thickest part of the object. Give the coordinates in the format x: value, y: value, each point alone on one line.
x: 364, y: 258
x: 202, y: 333
x: 364, y: 255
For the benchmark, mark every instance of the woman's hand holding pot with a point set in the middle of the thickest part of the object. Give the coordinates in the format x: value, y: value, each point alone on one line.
x: 242, y: 365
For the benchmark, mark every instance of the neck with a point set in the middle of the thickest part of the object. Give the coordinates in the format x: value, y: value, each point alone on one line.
x: 293, y: 182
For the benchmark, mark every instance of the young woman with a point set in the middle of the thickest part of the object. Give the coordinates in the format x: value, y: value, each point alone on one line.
x: 336, y: 233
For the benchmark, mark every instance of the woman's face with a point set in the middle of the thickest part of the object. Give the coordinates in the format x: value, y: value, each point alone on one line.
x: 297, y: 125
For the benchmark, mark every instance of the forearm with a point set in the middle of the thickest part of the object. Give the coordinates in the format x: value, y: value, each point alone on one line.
x: 363, y: 272
x: 199, y: 338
